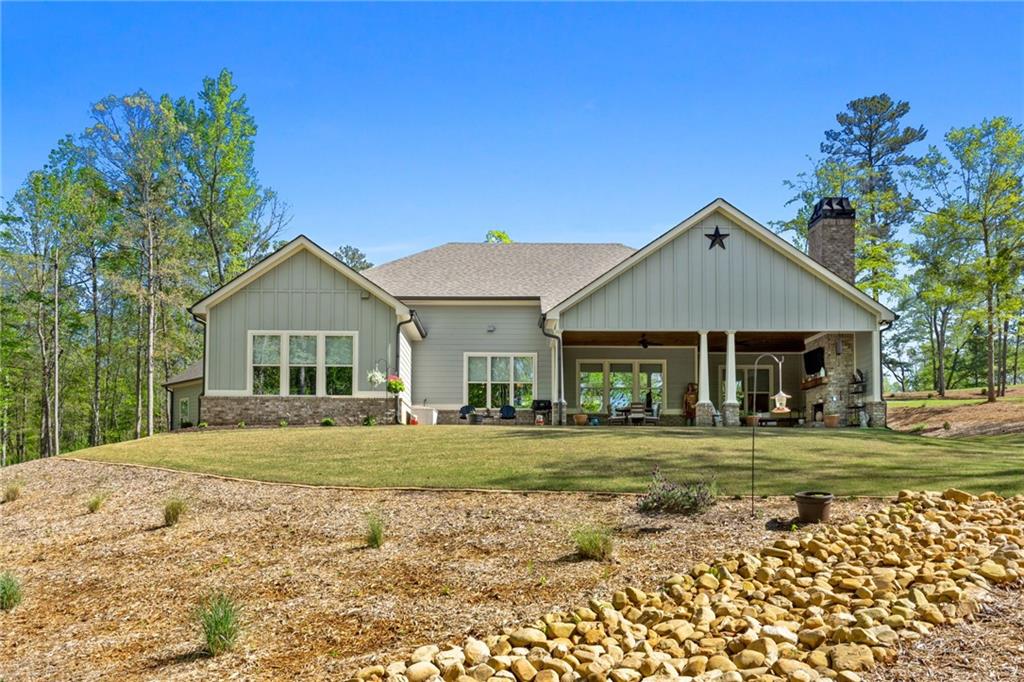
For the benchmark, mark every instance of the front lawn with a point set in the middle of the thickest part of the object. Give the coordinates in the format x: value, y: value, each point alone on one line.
x: 847, y: 462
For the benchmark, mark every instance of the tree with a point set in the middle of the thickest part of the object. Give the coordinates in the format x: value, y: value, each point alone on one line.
x: 222, y: 196
x: 353, y: 257
x: 497, y: 237
x: 979, y: 186
x: 827, y: 178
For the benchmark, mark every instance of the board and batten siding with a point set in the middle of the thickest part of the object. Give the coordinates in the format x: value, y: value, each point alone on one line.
x: 680, y: 368
x: 748, y: 286
x: 453, y: 330
x: 303, y: 293
x: 191, y: 392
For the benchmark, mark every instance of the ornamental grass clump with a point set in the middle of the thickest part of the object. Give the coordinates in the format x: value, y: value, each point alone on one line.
x: 12, y: 492
x: 692, y: 497
x: 593, y: 542
x: 173, y: 509
x: 95, y: 502
x: 375, y: 527
x: 327, y: 421
x: 10, y: 591
x: 219, y: 617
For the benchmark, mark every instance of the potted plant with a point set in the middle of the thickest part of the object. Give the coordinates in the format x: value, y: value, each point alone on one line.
x: 814, y: 506
x: 750, y: 418
x: 831, y: 421
x: 580, y: 418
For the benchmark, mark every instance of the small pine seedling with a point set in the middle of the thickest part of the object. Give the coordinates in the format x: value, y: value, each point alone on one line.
x: 12, y: 492
x: 95, y: 502
x: 10, y: 591
x: 593, y: 542
x: 219, y: 617
x: 173, y: 509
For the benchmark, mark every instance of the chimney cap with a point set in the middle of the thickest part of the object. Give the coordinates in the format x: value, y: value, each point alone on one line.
x: 832, y: 207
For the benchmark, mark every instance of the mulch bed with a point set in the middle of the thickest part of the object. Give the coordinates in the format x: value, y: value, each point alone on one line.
x: 111, y: 595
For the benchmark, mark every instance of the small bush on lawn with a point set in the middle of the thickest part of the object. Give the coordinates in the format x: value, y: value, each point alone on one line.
x: 241, y: 424
x: 12, y: 492
x: 326, y: 421
x: 375, y: 527
x: 283, y: 423
x: 173, y: 509
x: 369, y: 420
x: 692, y: 497
x: 947, y: 426
x: 219, y: 617
x: 593, y: 542
x: 202, y: 425
x: 186, y: 424
x: 10, y: 591
x: 95, y: 502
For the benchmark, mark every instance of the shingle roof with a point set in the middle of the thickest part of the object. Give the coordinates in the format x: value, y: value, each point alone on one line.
x: 549, y: 272
x: 190, y: 373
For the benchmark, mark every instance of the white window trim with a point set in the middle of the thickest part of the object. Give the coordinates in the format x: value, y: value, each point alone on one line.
x: 504, y: 354
x: 321, y: 375
x: 605, y: 362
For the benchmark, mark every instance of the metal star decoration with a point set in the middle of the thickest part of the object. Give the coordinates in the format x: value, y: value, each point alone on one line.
x: 717, y: 238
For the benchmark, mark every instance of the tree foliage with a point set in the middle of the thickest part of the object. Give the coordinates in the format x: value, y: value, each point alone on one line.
x: 353, y: 257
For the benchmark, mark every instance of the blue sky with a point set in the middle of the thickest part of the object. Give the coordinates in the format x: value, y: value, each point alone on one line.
x: 397, y: 127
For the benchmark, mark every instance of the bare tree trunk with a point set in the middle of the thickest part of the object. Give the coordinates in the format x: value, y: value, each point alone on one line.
x: 151, y: 327
x: 1016, y: 353
x: 1005, y: 334
x: 56, y: 352
x: 95, y: 437
x: 138, y: 378
x: 990, y: 345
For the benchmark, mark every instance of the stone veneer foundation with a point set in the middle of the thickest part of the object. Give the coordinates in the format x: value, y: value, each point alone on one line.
x: 296, y: 410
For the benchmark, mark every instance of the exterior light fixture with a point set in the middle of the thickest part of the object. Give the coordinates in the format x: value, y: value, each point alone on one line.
x: 491, y: 328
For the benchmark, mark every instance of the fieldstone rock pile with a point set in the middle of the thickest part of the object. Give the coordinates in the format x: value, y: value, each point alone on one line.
x: 828, y: 605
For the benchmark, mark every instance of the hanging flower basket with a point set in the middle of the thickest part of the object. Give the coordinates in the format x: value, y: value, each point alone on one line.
x: 395, y: 384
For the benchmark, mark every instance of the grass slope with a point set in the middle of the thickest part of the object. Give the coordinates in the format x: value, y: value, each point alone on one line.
x: 847, y: 462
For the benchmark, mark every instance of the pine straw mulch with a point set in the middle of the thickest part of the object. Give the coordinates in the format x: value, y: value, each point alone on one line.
x: 983, y: 419
x: 111, y: 595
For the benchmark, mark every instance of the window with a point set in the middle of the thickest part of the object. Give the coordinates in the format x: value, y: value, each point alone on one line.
x: 592, y: 387
x: 605, y: 384
x: 493, y: 381
x: 183, y: 411
x: 302, y: 365
x: 338, y: 365
x: 266, y: 364
x: 748, y: 399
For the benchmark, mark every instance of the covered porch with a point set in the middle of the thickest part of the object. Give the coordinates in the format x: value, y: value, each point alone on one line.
x: 604, y: 372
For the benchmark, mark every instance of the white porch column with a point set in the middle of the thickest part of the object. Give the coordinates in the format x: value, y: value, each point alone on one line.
x: 730, y: 407
x: 705, y: 410
x: 876, y: 366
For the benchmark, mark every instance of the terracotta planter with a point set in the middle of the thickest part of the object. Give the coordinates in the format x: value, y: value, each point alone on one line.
x: 814, y: 506
x: 831, y: 421
x: 580, y: 419
x: 750, y: 420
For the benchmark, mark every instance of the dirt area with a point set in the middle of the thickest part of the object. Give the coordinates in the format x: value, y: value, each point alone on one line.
x: 981, y: 419
x: 111, y: 595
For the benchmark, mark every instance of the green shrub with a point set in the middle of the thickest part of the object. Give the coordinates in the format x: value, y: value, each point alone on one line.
x: 202, y: 425
x: 12, y: 492
x: 593, y: 542
x: 369, y: 420
x: 10, y: 591
x: 917, y: 428
x: 219, y: 617
x: 283, y: 423
x: 947, y: 426
x: 375, y: 527
x: 241, y: 424
x: 186, y: 424
x: 173, y: 509
x: 95, y: 502
x: 692, y: 497
x: 326, y: 421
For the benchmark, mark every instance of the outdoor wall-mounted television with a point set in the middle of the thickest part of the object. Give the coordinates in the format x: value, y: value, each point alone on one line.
x: 814, y: 360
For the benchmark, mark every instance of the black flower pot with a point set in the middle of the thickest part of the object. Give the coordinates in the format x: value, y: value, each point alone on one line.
x: 814, y: 506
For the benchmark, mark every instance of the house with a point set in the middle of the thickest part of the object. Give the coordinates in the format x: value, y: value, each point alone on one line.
x: 587, y: 326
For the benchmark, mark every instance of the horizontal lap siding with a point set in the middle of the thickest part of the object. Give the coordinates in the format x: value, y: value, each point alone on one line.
x: 748, y: 286
x: 455, y: 330
x: 301, y: 294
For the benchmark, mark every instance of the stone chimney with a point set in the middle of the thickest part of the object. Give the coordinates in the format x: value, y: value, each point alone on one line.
x: 830, y: 236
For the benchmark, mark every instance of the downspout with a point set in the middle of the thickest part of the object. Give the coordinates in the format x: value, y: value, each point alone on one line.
x: 398, y: 360
x: 558, y: 368
x: 881, y: 364
x: 202, y: 384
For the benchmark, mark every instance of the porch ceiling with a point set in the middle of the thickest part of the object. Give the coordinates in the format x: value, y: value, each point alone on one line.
x: 746, y: 342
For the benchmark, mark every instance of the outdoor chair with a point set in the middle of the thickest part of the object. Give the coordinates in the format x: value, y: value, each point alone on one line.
x: 638, y: 413
x: 465, y: 411
x: 616, y: 417
x: 507, y: 413
x: 654, y: 416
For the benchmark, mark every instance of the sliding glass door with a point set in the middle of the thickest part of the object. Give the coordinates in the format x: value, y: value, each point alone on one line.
x: 605, y: 384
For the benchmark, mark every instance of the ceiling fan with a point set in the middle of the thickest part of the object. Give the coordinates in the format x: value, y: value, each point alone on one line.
x: 647, y: 343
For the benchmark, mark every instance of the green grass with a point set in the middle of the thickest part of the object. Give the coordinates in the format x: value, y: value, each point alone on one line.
x: 844, y: 461
x: 10, y: 591
x: 219, y: 619
x: 173, y: 509
x: 593, y: 542
x: 375, y: 527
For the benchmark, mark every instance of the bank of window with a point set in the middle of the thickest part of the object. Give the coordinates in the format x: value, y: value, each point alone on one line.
x: 493, y: 381
x: 266, y: 364
x: 619, y: 383
x: 303, y: 364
